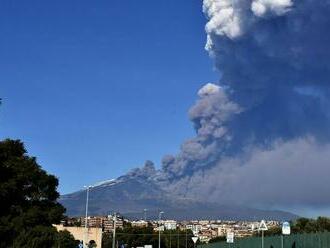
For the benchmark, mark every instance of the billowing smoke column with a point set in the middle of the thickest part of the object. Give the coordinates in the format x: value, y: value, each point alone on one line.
x: 211, y: 115
x: 274, y: 56
x: 267, y: 121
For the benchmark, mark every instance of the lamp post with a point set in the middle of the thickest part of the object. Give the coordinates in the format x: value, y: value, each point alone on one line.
x: 160, y: 217
x: 145, y: 214
x: 186, y: 237
x: 86, y: 216
x: 170, y: 238
x: 114, y: 231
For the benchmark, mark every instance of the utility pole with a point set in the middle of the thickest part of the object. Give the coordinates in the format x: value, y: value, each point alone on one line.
x: 178, y: 243
x: 86, y: 217
x: 186, y: 238
x: 160, y: 217
x: 114, y: 231
x: 171, y: 238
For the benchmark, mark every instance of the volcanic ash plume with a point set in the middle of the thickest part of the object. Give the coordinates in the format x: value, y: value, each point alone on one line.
x: 210, y: 116
x: 267, y: 121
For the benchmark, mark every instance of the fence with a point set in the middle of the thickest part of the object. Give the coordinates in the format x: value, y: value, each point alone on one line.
x: 310, y: 240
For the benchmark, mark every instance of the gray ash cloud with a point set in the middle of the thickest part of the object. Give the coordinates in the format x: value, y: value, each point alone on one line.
x: 262, y: 131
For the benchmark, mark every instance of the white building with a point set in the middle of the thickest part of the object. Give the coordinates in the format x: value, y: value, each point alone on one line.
x: 194, y: 228
x: 170, y: 224
x: 139, y: 223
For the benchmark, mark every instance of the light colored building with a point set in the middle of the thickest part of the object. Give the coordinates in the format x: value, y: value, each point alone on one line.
x: 224, y: 229
x: 92, y: 221
x: 158, y: 228
x: 108, y: 223
x: 104, y: 222
x: 195, y: 228
x: 139, y: 223
x: 78, y: 233
x: 170, y: 224
x: 204, y: 222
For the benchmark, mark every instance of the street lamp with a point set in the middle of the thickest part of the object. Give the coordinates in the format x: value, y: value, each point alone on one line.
x: 86, y: 215
x: 145, y: 214
x: 186, y: 237
x: 160, y: 217
x: 114, y: 231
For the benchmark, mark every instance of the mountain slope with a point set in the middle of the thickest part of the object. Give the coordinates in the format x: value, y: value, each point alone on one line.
x: 139, y: 190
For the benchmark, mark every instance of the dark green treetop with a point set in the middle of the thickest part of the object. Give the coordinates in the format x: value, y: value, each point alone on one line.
x: 28, y: 196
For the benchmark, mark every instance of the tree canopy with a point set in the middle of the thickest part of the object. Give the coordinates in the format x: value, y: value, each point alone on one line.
x: 305, y: 225
x: 139, y: 236
x: 302, y: 225
x: 28, y: 196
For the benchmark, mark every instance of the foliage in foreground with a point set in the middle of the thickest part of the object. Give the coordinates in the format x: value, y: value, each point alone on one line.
x: 303, y: 225
x: 29, y: 204
x: 139, y: 236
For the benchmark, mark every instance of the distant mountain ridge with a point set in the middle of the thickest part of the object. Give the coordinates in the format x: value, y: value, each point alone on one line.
x: 143, y: 189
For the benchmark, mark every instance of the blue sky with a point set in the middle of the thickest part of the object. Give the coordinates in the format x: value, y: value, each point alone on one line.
x: 96, y: 88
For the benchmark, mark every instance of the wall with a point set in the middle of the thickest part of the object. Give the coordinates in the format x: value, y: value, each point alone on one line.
x: 78, y: 233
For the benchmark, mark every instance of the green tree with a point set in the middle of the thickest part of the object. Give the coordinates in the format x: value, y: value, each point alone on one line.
x: 65, y: 239
x: 92, y: 244
x: 38, y: 236
x: 305, y: 225
x: 323, y: 224
x: 139, y: 236
x: 218, y: 239
x: 273, y: 231
x: 28, y: 196
x: 42, y: 236
x: 106, y: 240
x: 178, y: 238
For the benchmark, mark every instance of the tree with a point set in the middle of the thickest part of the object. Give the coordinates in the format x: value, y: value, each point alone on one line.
x: 323, y: 224
x: 42, y: 236
x: 106, y: 240
x: 66, y: 240
x: 218, y: 239
x: 139, y: 236
x: 28, y: 196
x: 273, y: 231
x: 305, y: 225
x: 178, y: 238
x: 38, y: 236
x: 92, y: 244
